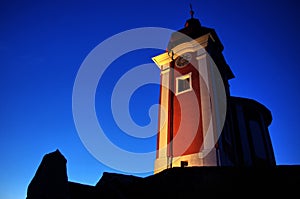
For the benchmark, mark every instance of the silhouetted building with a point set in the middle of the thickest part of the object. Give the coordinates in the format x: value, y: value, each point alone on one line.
x: 200, y: 123
x: 50, y: 179
x: 51, y: 182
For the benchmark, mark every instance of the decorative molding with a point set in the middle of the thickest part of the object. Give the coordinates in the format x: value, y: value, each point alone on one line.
x: 198, y: 44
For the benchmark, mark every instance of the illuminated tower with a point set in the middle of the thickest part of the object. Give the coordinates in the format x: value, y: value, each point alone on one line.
x: 196, y: 106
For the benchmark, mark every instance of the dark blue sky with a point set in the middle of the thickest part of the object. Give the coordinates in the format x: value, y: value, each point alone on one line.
x: 43, y: 44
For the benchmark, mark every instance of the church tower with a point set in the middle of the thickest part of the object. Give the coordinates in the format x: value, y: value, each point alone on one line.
x: 200, y: 124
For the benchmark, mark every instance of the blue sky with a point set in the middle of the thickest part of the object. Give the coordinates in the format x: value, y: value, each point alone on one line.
x: 43, y: 44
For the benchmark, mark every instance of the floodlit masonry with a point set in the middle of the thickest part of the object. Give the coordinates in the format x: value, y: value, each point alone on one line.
x: 200, y: 123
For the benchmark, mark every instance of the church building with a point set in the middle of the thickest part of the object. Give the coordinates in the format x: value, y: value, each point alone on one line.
x: 209, y: 143
x: 200, y: 123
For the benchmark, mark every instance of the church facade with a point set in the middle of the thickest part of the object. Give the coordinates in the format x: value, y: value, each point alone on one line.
x: 200, y: 123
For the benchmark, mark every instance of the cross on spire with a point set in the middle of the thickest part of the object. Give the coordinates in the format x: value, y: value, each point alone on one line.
x: 192, y: 11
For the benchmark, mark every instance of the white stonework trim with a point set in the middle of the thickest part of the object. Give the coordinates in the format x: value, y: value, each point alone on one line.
x: 218, y: 99
x: 198, y: 44
x: 184, y: 77
x: 204, y: 66
x: 163, y: 120
x: 160, y: 164
x: 167, y: 70
x: 192, y: 46
x: 213, y: 98
x: 162, y: 59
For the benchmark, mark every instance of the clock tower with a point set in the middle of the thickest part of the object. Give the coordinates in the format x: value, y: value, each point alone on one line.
x: 200, y: 124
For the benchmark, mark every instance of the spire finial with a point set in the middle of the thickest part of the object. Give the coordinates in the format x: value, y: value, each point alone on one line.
x: 192, y: 11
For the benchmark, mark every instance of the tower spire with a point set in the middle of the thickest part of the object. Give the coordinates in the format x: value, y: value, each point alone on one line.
x: 192, y: 11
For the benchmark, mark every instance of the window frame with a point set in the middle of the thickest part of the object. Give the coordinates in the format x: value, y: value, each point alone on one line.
x: 183, y: 78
